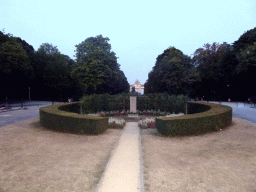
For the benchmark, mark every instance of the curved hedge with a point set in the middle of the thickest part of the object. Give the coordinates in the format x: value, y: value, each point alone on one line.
x: 62, y: 118
x: 201, y: 118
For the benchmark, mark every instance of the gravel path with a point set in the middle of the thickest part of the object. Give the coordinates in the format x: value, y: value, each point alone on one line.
x: 123, y: 172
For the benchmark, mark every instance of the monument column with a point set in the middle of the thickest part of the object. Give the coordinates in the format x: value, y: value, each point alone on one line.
x: 133, y: 104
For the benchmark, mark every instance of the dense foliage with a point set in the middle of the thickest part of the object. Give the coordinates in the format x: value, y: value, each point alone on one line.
x: 172, y: 73
x: 51, y: 75
x: 16, y: 70
x: 121, y: 102
x: 97, y: 69
x: 215, y: 72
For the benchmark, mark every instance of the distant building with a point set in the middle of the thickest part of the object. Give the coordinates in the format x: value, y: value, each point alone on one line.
x: 138, y: 87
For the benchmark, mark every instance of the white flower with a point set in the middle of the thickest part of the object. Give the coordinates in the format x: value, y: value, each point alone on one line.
x: 117, y: 121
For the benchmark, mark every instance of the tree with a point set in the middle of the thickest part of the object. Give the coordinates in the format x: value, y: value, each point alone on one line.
x: 206, y: 60
x: 173, y: 72
x: 3, y: 38
x: 15, y: 68
x: 90, y: 74
x: 27, y: 47
x: 248, y: 38
x: 95, y: 53
x: 92, y: 45
x: 247, y: 58
x: 53, y: 72
x: 246, y: 70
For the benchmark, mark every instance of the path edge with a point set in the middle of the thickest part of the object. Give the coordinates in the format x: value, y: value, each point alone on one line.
x: 109, y: 160
x: 141, y: 163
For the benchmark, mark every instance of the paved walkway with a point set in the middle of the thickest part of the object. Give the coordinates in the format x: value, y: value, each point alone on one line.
x: 124, y: 170
x: 242, y: 110
x: 14, y: 114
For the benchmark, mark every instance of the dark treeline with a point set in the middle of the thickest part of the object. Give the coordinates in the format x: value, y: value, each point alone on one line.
x: 51, y: 75
x: 215, y: 72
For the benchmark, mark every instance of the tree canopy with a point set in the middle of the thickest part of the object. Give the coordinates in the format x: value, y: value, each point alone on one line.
x: 15, y: 68
x: 97, y: 69
x: 216, y: 71
x: 53, y: 69
x: 248, y: 38
x: 173, y: 72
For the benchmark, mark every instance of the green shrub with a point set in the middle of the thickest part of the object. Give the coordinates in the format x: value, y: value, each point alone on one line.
x: 55, y: 117
x: 205, y: 118
x: 73, y: 108
x: 197, y: 108
x: 104, y: 102
x: 159, y: 101
x: 162, y: 102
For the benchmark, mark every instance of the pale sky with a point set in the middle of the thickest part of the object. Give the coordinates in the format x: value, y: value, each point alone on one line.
x: 139, y: 30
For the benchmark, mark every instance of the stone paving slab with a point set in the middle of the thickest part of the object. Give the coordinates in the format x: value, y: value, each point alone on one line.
x: 124, y: 170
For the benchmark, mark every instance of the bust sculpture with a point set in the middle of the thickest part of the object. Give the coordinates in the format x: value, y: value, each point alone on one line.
x: 133, y: 92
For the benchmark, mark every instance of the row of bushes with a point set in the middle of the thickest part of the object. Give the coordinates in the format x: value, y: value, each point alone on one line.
x: 203, y: 118
x: 62, y: 118
x: 160, y: 101
x: 104, y: 102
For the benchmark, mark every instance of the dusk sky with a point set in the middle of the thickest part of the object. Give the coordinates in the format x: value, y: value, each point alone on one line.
x: 138, y: 30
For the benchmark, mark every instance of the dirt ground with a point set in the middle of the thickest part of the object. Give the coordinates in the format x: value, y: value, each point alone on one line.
x: 219, y: 161
x: 33, y: 158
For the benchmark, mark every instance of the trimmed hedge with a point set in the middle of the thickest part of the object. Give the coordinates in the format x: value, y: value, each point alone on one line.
x: 205, y: 118
x: 72, y: 107
x: 197, y: 108
x: 57, y: 118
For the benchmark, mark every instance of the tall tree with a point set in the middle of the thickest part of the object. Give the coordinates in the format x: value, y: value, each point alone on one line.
x: 207, y: 61
x: 248, y: 38
x: 52, y: 71
x: 3, y: 38
x: 173, y: 72
x: 245, y: 70
x: 90, y: 74
x: 247, y: 58
x: 97, y: 69
x: 15, y: 68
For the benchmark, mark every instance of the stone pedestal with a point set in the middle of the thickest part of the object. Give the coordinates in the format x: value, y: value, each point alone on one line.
x: 133, y: 104
x: 133, y: 115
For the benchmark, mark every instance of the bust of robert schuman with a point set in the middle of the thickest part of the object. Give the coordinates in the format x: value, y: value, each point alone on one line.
x: 133, y: 92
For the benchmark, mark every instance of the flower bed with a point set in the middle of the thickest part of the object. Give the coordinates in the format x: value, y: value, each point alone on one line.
x: 150, y: 122
x: 111, y: 113
x: 152, y: 113
x: 114, y: 123
x: 147, y: 123
x: 145, y: 112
